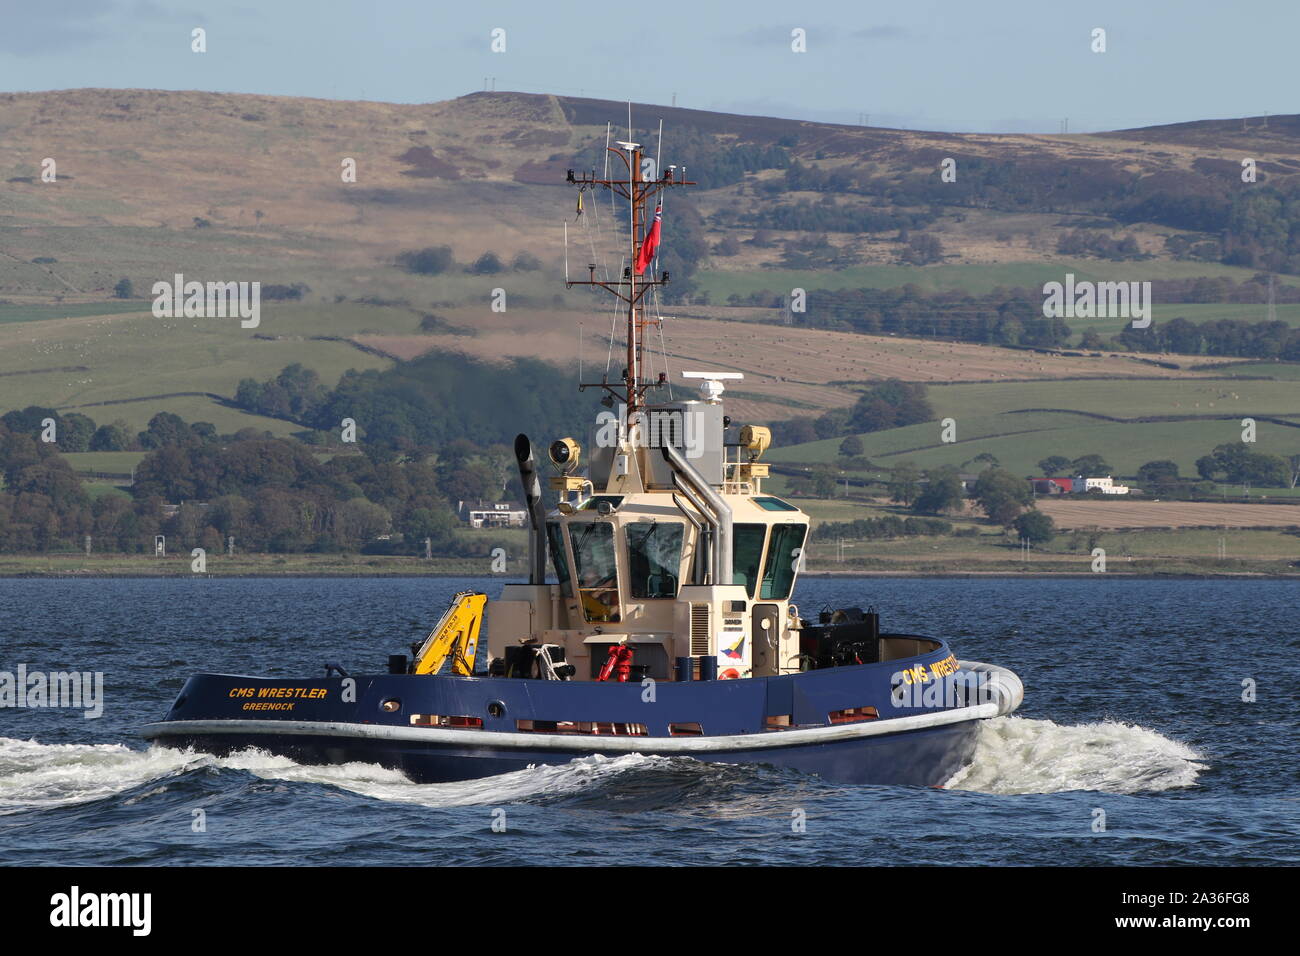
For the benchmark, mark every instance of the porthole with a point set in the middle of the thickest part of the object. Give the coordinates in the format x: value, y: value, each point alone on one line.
x: 391, y: 706
x: 496, y: 709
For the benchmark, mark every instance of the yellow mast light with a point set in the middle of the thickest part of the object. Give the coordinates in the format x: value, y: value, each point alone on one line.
x: 565, y: 453
x: 755, y: 439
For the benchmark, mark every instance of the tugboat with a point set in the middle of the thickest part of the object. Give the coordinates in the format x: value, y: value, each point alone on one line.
x: 668, y: 627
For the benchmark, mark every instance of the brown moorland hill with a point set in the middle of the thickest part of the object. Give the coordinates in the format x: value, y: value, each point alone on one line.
x: 152, y: 182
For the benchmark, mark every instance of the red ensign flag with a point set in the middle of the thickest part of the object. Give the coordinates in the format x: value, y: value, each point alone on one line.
x: 651, y: 244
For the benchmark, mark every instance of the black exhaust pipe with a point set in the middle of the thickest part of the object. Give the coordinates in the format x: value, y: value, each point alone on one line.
x: 536, y: 517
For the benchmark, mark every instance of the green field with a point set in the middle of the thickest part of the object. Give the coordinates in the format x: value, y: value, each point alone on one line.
x: 37, y: 313
x: 975, y: 279
x: 982, y: 279
x: 97, y: 489
x: 1120, y: 398
x: 230, y: 251
x: 987, y: 420
x: 192, y: 408
x: 1125, y: 446
x: 1194, y: 312
x: 137, y: 358
x: 93, y: 256
x: 105, y: 462
x: 1147, y: 552
x: 1284, y: 371
x: 901, y: 440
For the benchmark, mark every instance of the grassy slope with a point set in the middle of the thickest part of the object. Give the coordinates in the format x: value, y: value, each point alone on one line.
x: 106, y: 462
x: 134, y: 356
x: 1152, y: 551
x: 1125, y: 447
x: 973, y: 278
x: 137, y: 167
x: 37, y: 313
x: 985, y: 422
x: 1122, y: 399
x: 1195, y: 312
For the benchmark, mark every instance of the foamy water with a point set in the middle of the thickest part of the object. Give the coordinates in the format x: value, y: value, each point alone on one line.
x: 35, y: 775
x: 1020, y: 755
x: 38, y: 776
x: 1013, y: 755
x: 380, y: 783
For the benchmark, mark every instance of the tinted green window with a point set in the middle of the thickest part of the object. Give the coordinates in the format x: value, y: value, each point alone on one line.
x: 782, y: 558
x: 596, y: 569
x: 559, y: 560
x: 654, y: 556
x: 747, y: 554
x: 774, y: 504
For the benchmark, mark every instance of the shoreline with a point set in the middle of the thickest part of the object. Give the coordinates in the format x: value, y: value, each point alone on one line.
x: 66, y: 566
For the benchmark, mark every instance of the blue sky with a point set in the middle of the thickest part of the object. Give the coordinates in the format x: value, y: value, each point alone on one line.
x: 998, y: 66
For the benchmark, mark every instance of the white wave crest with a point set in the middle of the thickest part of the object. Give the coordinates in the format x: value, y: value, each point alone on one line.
x: 378, y: 783
x: 1022, y: 755
x: 1013, y: 755
x: 35, y: 775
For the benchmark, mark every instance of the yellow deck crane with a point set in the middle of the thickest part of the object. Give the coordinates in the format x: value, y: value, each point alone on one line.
x: 455, y: 636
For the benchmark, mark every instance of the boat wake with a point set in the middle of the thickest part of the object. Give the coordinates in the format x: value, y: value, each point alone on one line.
x: 1013, y: 755
x: 36, y: 776
x: 1022, y: 755
x: 370, y: 780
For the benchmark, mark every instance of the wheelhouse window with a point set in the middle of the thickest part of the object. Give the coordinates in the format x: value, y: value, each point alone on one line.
x: 559, y: 559
x: 782, y: 559
x: 594, y: 502
x: 654, y: 557
x: 596, y: 569
x: 747, y: 554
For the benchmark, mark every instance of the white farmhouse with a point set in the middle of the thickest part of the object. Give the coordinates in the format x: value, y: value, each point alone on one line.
x: 1105, y: 485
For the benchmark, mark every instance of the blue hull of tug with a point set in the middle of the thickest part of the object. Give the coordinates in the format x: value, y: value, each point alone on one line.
x: 920, y: 758
x: 369, y: 719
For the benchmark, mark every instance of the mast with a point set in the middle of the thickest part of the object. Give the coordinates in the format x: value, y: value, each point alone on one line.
x: 631, y: 288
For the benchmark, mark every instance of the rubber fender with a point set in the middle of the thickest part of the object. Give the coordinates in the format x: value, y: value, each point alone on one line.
x: 1000, y: 685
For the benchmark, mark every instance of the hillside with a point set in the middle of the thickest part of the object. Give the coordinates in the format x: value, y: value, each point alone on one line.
x: 485, y: 171
x: 239, y: 187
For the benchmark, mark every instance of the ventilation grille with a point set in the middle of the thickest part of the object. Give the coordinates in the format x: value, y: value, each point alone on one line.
x: 700, y: 631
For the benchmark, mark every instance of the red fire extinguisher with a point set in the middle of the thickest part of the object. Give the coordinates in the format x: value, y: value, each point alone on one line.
x: 619, y: 663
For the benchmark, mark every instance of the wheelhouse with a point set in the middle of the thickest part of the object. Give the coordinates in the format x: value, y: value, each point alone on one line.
x: 668, y: 546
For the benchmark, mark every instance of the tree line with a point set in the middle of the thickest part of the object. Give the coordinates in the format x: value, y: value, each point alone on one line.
x: 890, y: 404
x: 270, y: 494
x: 1014, y: 317
x: 426, y: 402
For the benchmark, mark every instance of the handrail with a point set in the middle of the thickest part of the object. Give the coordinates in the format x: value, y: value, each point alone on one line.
x: 694, y: 481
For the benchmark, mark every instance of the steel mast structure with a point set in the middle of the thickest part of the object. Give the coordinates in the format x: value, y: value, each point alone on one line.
x: 631, y: 288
